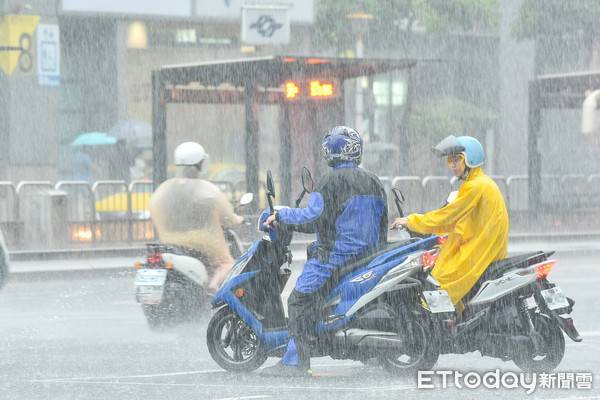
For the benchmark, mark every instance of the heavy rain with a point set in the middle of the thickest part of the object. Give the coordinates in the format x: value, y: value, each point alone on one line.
x: 110, y: 288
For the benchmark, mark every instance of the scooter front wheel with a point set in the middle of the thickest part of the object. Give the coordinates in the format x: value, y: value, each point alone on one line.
x: 419, y: 351
x: 232, y: 343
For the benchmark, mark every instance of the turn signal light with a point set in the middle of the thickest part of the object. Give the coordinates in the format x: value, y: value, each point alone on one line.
x: 239, y: 293
x: 442, y: 239
x: 138, y: 265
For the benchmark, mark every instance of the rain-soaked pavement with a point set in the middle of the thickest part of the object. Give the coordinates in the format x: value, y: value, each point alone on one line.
x: 83, y: 336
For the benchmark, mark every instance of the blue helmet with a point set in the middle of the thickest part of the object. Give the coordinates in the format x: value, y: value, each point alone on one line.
x: 473, y: 151
x: 468, y: 146
x: 342, y: 144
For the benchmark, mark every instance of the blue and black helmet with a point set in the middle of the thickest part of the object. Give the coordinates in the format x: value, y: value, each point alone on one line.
x: 342, y: 144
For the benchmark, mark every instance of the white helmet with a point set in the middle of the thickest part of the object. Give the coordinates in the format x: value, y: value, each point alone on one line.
x: 190, y: 153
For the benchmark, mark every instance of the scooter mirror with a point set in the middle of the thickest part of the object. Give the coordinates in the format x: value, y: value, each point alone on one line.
x: 270, y: 187
x: 270, y: 191
x: 398, y: 199
x: 246, y: 199
x: 307, y: 185
x: 307, y: 181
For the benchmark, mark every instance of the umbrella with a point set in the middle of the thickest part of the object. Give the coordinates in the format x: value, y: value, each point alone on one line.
x: 138, y: 132
x: 93, y: 139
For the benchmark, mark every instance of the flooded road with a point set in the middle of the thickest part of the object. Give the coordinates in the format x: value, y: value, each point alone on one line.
x: 73, y: 336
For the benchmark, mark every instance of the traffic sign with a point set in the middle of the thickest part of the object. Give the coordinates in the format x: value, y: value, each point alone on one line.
x: 48, y: 49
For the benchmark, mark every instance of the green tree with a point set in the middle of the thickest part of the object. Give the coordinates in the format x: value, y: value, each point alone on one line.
x: 393, y: 27
x: 561, y: 29
x: 558, y: 18
x: 395, y: 20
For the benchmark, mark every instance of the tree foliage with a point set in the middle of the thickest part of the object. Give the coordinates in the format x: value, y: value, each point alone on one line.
x: 557, y: 18
x: 393, y: 20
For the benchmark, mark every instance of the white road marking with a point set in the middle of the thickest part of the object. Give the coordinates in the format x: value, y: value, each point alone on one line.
x: 129, y: 376
x: 245, y: 397
x: 590, y: 333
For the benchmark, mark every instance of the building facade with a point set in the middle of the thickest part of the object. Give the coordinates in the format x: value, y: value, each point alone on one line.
x: 75, y: 66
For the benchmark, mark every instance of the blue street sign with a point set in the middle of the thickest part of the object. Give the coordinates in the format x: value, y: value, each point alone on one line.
x: 48, y: 49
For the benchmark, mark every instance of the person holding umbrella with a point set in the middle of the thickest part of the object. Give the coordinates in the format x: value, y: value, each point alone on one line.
x: 82, y: 161
x: 121, y: 159
x: 83, y: 165
x: 132, y: 137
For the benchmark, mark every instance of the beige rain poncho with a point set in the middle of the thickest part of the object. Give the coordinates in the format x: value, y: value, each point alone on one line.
x: 191, y: 212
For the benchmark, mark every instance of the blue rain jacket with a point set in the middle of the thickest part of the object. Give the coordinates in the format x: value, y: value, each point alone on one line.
x: 348, y: 211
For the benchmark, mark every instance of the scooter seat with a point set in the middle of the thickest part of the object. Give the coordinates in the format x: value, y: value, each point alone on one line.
x: 498, y: 268
x: 366, y: 257
x: 177, y: 250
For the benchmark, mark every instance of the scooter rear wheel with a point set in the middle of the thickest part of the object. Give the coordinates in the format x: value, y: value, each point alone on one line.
x: 181, y: 303
x: 232, y: 343
x: 550, y: 349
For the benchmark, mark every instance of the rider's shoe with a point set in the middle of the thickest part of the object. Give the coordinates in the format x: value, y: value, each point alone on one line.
x: 284, y: 370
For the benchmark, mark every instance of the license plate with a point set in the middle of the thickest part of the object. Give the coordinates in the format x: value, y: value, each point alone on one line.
x: 555, y: 298
x: 438, y: 301
x: 150, y: 285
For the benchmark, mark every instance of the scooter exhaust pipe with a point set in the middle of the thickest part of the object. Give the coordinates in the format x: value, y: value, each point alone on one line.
x: 369, y: 338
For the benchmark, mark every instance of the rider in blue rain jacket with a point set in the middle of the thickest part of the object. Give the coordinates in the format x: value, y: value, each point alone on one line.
x: 348, y: 211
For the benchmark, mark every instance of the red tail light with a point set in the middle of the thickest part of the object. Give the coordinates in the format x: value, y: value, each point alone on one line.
x: 544, y: 269
x: 154, y: 258
x: 429, y: 258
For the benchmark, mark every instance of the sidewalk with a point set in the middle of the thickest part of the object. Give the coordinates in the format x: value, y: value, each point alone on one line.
x: 123, y: 259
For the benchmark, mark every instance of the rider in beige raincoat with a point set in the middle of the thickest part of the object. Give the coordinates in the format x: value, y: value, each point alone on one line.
x: 476, y: 221
x: 192, y: 212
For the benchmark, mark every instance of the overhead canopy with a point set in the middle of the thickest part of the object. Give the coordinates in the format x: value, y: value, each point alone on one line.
x: 562, y: 91
x: 272, y: 71
x: 565, y: 90
x: 252, y: 74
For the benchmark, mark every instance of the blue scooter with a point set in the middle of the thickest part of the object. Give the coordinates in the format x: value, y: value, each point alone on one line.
x: 380, y: 306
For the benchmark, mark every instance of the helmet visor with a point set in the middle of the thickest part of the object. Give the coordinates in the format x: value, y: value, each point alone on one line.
x: 448, y: 147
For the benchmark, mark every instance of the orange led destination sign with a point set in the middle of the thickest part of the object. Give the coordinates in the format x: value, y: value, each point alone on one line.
x: 318, y: 89
x: 291, y: 90
x: 311, y: 89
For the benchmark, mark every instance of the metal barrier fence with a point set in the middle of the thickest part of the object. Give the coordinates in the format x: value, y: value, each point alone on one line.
x: 73, y: 214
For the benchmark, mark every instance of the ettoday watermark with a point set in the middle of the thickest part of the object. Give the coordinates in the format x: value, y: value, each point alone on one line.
x: 507, y: 380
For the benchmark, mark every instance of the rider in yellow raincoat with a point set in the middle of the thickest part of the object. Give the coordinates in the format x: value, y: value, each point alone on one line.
x: 476, y: 221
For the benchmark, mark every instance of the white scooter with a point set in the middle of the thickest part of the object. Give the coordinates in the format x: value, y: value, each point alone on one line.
x: 513, y: 312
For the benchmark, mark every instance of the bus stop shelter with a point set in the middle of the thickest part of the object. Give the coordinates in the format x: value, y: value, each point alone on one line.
x: 251, y: 81
x: 561, y: 91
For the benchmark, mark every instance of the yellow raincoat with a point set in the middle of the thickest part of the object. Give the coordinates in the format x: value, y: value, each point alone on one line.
x: 477, y: 226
